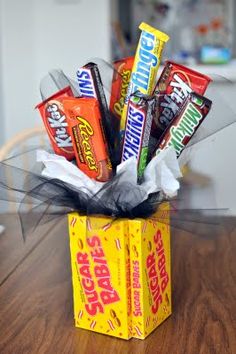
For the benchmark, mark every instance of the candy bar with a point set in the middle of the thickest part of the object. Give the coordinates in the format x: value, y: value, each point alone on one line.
x: 192, y: 114
x: 146, y: 63
x: 88, y: 139
x: 120, y: 83
x: 174, y: 85
x: 55, y: 121
x: 90, y: 85
x: 138, y: 129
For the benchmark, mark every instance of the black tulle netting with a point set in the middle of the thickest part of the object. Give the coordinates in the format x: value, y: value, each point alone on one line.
x: 41, y: 199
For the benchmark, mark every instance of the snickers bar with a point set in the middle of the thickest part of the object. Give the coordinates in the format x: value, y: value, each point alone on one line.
x: 138, y: 128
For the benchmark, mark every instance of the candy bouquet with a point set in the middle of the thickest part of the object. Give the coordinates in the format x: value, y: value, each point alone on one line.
x: 115, y: 170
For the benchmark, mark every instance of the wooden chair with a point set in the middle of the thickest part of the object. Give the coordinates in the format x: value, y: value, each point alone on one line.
x: 20, y: 141
x: 36, y: 137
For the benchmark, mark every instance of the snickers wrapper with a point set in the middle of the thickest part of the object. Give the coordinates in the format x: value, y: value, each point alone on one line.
x: 137, y: 130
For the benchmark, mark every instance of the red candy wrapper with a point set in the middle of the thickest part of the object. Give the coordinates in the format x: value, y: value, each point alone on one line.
x: 120, y: 83
x: 55, y: 121
x: 88, y: 138
x: 180, y: 131
x: 174, y: 85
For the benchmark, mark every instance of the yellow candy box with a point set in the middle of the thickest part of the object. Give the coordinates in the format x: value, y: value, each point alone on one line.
x: 120, y: 274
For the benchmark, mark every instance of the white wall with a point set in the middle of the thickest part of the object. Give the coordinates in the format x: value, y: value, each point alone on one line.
x: 38, y: 35
x: 215, y: 156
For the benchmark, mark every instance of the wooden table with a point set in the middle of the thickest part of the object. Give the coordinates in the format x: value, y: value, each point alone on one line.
x: 36, y: 308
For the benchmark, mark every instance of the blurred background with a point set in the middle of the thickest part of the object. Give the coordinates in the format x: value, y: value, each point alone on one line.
x: 39, y: 35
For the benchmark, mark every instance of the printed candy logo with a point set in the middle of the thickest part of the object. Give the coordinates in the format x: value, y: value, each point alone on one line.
x: 133, y: 133
x: 186, y: 127
x: 146, y: 60
x: 95, y: 278
x: 157, y: 274
x: 137, y: 310
x: 57, y: 121
x: 119, y: 105
x: 172, y: 101
x: 85, y: 81
x: 86, y: 132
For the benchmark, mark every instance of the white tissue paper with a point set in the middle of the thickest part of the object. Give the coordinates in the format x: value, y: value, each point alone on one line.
x: 160, y: 175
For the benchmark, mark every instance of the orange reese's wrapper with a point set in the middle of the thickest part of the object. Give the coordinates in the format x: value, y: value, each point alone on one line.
x: 88, y: 139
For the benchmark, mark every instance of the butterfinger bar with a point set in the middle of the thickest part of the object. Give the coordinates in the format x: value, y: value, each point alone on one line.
x: 192, y: 114
x: 88, y: 139
x: 146, y: 63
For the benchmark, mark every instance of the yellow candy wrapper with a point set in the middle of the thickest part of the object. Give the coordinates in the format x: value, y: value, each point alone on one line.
x: 146, y: 63
x: 120, y: 274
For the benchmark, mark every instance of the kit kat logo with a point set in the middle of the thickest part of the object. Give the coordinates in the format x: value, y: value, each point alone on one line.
x: 180, y: 89
x: 86, y: 132
x: 157, y: 274
x: 95, y: 278
x: 57, y: 122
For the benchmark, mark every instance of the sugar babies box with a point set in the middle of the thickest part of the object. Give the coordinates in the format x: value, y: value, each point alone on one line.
x: 121, y: 274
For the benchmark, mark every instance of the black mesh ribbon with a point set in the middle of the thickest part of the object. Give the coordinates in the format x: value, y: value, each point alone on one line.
x: 41, y: 199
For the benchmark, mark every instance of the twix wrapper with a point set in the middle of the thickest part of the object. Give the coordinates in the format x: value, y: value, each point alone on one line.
x: 174, y: 85
x: 55, y: 120
x: 88, y: 139
x: 146, y: 63
x: 183, y: 127
x: 120, y: 83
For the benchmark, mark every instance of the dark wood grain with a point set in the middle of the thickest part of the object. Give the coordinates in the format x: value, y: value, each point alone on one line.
x: 13, y: 248
x: 36, y: 308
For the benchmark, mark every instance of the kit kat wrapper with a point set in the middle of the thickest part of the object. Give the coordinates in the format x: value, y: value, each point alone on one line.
x: 173, y: 87
x: 55, y: 121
